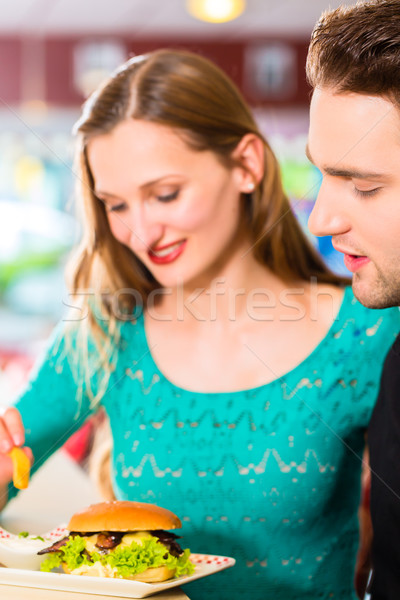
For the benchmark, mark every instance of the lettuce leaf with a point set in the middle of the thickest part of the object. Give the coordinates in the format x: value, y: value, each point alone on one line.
x: 53, y: 561
x: 71, y: 554
x: 126, y: 560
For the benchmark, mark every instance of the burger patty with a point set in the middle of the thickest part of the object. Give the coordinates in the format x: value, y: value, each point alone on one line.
x: 55, y: 547
x: 107, y: 540
x: 169, y: 540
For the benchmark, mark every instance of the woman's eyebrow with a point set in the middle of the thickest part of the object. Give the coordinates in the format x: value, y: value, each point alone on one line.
x: 143, y: 186
x: 103, y: 195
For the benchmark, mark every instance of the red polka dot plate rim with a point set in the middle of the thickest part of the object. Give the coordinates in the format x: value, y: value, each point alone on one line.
x: 211, y: 559
x: 57, y: 533
x: 54, y: 534
x: 5, y: 535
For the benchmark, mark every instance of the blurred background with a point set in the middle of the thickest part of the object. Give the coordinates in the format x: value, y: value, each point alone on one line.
x: 53, y: 53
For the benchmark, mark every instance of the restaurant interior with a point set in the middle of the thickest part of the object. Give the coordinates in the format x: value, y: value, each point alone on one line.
x: 53, y: 55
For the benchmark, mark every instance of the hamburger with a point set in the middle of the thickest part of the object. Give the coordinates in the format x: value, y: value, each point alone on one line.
x: 121, y: 539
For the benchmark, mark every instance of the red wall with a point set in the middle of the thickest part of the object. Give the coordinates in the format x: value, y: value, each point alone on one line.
x: 10, y: 65
x: 58, y: 65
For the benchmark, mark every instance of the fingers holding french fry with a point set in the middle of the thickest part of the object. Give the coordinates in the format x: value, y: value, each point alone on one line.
x: 12, y: 432
x: 21, y: 468
x: 15, y: 461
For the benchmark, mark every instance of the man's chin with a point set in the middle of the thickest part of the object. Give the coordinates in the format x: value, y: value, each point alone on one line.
x: 375, y: 295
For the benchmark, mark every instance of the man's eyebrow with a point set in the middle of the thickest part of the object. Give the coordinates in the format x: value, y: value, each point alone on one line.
x: 355, y: 174
x: 348, y: 172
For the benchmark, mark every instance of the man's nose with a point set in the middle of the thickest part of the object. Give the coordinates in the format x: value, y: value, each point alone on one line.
x: 328, y: 217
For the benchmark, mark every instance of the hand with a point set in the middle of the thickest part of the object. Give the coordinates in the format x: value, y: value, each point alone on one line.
x: 12, y: 434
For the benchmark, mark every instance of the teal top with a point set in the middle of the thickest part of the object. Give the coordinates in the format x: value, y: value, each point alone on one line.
x: 269, y: 475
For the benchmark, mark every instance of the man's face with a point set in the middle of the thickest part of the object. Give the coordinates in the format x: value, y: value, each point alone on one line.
x: 354, y: 140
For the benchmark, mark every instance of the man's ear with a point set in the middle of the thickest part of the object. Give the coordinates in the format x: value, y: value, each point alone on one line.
x: 249, y: 154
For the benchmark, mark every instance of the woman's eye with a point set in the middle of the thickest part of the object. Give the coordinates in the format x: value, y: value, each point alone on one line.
x: 168, y: 197
x: 366, y: 193
x: 117, y: 207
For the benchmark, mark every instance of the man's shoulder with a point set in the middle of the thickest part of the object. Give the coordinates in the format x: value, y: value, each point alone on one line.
x: 396, y: 346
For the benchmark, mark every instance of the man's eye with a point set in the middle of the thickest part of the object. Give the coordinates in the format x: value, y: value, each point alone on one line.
x: 366, y: 193
x: 168, y: 197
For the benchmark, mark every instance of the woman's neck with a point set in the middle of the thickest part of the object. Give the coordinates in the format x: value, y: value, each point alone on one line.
x: 237, y: 291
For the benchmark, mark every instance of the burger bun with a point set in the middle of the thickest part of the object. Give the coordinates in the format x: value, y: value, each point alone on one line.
x: 153, y: 575
x: 122, y: 515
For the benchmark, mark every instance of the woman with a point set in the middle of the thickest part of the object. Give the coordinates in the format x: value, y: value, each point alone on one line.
x: 237, y: 373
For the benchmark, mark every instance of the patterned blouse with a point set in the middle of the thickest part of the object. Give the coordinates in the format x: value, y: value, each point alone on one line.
x: 269, y: 475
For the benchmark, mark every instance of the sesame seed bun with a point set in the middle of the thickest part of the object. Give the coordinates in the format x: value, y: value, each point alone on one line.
x: 123, y: 516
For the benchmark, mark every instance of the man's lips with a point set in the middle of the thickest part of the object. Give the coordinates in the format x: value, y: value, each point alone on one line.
x: 168, y: 253
x: 353, y: 262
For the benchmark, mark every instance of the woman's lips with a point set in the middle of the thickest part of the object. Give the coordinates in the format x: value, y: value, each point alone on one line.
x: 167, y: 254
x: 354, y: 263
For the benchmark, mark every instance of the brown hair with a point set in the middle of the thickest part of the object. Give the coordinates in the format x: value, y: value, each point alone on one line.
x: 194, y: 97
x: 357, y: 49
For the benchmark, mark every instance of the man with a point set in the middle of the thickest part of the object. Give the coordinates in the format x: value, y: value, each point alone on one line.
x: 353, y: 66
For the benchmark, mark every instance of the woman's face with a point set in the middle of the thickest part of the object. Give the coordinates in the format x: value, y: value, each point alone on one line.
x: 177, y: 209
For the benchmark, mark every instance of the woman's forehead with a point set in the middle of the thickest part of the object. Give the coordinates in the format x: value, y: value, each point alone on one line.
x: 137, y: 153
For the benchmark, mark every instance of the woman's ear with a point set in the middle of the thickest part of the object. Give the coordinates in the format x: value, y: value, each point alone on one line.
x: 249, y: 155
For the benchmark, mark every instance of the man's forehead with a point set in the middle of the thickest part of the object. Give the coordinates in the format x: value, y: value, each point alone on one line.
x: 354, y: 135
x: 370, y: 111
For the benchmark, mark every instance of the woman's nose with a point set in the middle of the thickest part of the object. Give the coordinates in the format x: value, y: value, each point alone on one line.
x: 144, y: 230
x: 328, y: 217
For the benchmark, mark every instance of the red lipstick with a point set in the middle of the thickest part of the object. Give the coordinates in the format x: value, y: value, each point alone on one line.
x: 166, y: 254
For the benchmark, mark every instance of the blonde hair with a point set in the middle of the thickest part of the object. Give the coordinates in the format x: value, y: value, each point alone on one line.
x: 194, y: 97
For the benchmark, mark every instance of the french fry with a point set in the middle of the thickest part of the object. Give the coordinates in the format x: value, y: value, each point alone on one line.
x: 21, y: 465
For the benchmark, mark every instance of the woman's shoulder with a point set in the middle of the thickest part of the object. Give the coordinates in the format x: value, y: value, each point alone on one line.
x: 132, y: 329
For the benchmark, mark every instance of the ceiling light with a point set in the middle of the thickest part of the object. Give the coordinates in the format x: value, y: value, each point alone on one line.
x: 216, y: 11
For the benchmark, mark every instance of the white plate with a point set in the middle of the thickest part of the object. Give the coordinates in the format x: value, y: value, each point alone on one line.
x: 204, y: 565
